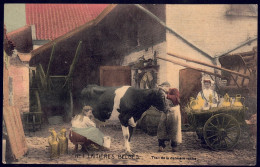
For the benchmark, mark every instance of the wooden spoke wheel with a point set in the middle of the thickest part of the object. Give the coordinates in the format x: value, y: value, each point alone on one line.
x: 221, y: 132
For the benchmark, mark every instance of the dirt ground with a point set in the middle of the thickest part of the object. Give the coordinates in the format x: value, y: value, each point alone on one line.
x: 190, y: 152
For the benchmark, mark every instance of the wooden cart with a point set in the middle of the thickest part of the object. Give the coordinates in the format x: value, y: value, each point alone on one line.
x: 219, y: 127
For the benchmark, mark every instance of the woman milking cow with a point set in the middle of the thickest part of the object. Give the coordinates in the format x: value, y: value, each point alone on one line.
x: 130, y: 103
x: 84, y: 131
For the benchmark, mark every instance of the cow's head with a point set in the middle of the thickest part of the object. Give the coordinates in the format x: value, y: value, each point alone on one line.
x: 160, y: 99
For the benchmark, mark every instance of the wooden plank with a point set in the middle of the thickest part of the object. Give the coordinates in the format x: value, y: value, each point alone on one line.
x: 15, y: 131
x: 209, y: 65
x: 190, y: 85
x: 51, y: 59
x: 235, y: 81
x: 20, y: 140
x: 189, y: 66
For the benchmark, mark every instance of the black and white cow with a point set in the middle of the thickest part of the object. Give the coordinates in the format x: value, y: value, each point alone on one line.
x: 130, y: 102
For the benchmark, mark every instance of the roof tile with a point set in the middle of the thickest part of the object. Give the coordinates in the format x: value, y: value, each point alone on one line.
x: 54, y: 20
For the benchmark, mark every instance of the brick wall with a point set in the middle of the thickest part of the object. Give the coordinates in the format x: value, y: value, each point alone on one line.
x: 20, y: 75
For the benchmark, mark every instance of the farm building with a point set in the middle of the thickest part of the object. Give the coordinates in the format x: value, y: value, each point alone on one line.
x: 32, y: 31
x: 126, y: 44
x: 125, y: 35
x: 42, y: 17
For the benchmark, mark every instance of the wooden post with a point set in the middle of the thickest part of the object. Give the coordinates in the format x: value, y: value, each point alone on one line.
x: 51, y: 58
x: 72, y: 66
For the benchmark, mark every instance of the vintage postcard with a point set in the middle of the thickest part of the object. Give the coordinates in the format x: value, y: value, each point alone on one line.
x: 130, y: 84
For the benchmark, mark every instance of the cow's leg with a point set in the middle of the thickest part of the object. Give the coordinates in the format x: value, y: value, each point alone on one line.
x: 131, y: 129
x: 126, y: 139
x: 124, y: 120
x: 132, y: 125
x: 76, y: 148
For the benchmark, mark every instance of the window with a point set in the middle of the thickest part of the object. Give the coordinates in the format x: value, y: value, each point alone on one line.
x: 243, y: 10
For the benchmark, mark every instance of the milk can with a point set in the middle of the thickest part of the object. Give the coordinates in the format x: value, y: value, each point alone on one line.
x: 63, y: 142
x: 238, y: 102
x: 54, y: 144
x: 226, y: 102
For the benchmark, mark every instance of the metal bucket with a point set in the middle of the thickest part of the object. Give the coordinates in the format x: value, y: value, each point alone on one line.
x: 107, y: 141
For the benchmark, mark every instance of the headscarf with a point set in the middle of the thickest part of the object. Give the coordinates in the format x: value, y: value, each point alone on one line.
x: 174, y: 96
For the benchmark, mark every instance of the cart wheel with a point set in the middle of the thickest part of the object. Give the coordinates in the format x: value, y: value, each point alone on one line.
x: 221, y: 132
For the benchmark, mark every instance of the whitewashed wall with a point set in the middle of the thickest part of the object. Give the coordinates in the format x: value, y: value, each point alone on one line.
x: 208, y: 27
x: 161, y: 51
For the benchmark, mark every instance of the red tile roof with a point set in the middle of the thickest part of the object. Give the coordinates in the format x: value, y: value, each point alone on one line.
x: 54, y: 20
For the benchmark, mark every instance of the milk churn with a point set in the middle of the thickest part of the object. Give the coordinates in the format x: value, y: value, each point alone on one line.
x: 196, y: 104
x: 63, y: 141
x: 226, y: 102
x: 54, y: 144
x: 238, y: 102
x: 192, y: 102
x: 200, y: 101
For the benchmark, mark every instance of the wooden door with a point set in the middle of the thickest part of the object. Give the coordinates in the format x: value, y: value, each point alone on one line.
x: 115, y: 75
x: 190, y: 85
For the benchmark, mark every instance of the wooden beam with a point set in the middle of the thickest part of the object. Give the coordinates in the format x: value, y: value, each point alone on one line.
x: 73, y: 64
x: 50, y: 61
x: 237, y: 47
x: 188, y: 66
x: 209, y: 65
